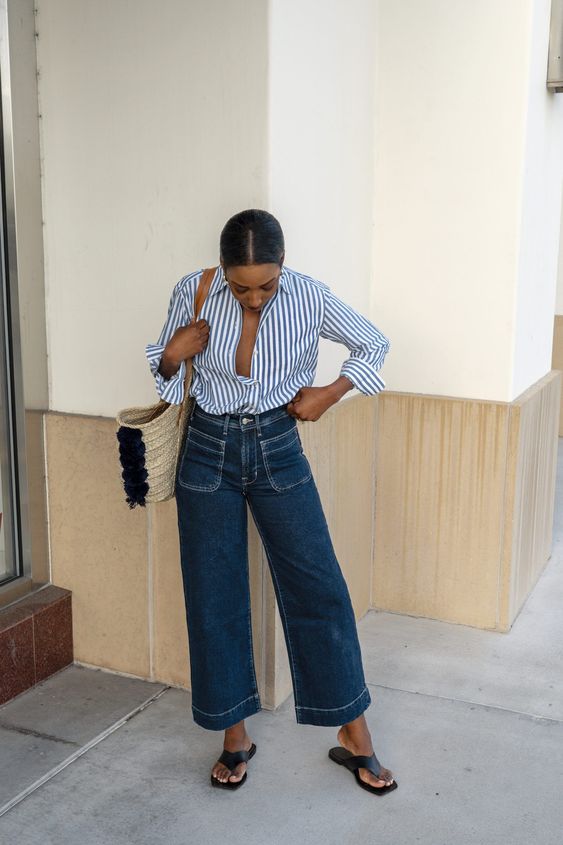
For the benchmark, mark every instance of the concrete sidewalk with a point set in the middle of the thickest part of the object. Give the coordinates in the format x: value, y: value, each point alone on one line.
x: 469, y: 721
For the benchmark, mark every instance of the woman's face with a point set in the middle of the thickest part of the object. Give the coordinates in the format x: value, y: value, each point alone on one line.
x: 253, y: 285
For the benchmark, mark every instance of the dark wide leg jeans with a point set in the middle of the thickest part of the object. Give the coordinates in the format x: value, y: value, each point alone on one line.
x: 230, y: 460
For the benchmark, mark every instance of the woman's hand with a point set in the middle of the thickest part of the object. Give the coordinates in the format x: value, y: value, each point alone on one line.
x: 310, y: 403
x: 186, y: 342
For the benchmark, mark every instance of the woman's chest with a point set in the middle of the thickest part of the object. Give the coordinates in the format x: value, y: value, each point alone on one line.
x: 246, y: 345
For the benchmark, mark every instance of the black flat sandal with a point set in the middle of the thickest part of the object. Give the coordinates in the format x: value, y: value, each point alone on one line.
x: 231, y: 759
x: 353, y: 762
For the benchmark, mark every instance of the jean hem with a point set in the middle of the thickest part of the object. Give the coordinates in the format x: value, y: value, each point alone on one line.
x: 336, y: 715
x: 224, y: 720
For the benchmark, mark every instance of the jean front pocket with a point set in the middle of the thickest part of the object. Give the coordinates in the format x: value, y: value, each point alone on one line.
x: 284, y: 460
x: 201, y: 467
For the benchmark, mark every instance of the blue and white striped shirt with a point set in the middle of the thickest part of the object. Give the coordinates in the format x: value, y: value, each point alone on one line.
x: 286, y: 347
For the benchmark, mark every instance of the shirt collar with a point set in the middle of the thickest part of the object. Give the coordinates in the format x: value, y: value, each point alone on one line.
x: 218, y: 284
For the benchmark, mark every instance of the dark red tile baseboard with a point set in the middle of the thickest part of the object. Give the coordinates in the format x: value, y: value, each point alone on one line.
x: 35, y: 639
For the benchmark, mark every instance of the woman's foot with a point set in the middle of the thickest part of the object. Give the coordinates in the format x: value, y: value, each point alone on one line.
x: 236, y: 739
x: 355, y: 738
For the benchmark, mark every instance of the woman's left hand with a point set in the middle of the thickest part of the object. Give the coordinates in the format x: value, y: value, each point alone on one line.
x: 310, y: 403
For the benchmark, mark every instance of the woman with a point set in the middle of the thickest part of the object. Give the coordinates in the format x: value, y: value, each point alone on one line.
x: 254, y: 351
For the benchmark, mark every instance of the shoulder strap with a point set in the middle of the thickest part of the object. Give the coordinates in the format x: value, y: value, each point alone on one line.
x: 200, y: 297
x: 201, y: 294
x: 203, y: 290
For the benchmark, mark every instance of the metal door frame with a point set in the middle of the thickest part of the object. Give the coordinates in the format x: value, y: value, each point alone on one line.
x: 10, y: 340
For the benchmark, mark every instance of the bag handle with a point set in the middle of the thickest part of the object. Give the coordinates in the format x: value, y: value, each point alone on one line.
x: 200, y: 297
x: 201, y: 294
x: 202, y: 290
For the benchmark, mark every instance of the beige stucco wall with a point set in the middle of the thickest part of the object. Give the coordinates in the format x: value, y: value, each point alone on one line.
x: 557, y: 357
x: 123, y: 565
x: 464, y: 503
x: 530, y: 492
x: 437, y: 507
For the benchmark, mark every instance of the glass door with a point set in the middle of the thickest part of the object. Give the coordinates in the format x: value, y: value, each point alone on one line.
x: 24, y: 395
x: 12, y: 433
x: 8, y: 533
x: 9, y: 551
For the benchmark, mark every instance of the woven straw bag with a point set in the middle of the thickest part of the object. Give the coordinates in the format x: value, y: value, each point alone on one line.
x: 151, y: 438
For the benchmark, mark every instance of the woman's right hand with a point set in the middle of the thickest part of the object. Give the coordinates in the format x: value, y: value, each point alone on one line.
x: 186, y: 342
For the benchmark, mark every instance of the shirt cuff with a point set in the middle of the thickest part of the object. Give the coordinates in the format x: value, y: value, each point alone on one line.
x: 170, y: 389
x: 362, y: 376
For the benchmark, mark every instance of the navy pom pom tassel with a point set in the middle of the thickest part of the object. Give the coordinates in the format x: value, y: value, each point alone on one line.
x: 132, y: 457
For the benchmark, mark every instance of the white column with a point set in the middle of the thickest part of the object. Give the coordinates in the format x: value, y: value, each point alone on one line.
x: 153, y: 130
x: 469, y: 153
x: 321, y: 114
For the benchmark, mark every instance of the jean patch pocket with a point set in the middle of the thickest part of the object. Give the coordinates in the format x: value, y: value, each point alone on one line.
x: 201, y: 467
x: 284, y: 460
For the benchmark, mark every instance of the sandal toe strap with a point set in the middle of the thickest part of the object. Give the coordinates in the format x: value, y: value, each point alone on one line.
x: 232, y: 758
x: 360, y: 761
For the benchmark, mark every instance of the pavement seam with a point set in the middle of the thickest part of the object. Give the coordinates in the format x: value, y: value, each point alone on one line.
x: 80, y: 751
x: 533, y: 716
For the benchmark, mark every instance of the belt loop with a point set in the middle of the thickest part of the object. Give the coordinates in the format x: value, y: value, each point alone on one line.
x: 257, y: 421
x: 226, y: 424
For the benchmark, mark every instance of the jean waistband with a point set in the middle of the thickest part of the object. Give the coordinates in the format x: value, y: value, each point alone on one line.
x: 242, y: 420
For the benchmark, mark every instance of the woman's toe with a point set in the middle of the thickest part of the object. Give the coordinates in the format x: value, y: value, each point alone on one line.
x: 219, y: 773
x: 386, y: 774
x: 370, y: 778
x: 385, y: 777
x: 238, y: 772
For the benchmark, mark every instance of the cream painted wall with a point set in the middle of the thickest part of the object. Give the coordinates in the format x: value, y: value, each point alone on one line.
x: 540, y: 223
x: 321, y: 97
x: 393, y: 141
x: 458, y: 123
x: 153, y: 133
x: 136, y: 190
x: 559, y: 295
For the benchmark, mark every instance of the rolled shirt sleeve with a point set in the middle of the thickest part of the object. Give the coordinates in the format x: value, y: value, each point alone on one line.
x: 367, y: 344
x: 171, y: 389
